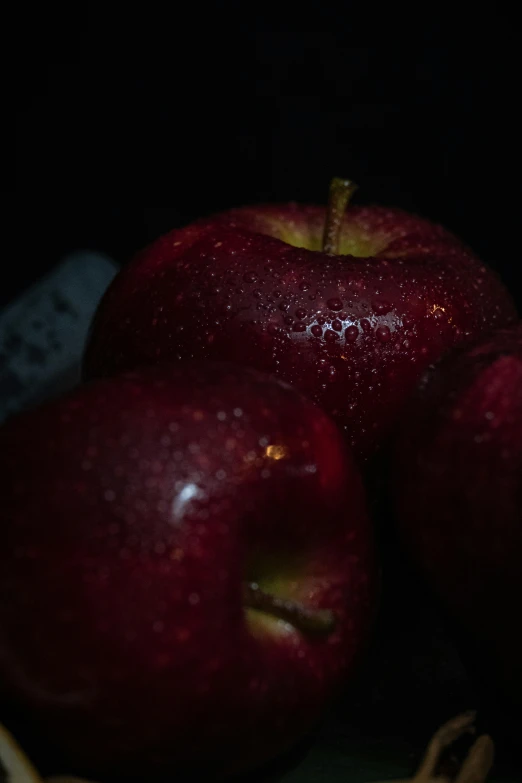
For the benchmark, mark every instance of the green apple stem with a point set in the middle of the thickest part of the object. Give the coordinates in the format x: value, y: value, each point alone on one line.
x: 315, y: 621
x: 341, y: 191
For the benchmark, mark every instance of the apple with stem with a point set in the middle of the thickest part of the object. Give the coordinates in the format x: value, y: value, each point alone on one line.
x: 458, y: 493
x: 348, y: 305
x: 186, y: 571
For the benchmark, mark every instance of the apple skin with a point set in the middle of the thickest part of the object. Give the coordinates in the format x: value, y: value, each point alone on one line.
x: 353, y: 332
x: 133, y: 511
x: 458, y: 497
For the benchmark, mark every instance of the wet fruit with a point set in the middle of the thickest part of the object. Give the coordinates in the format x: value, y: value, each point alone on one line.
x: 186, y: 570
x: 351, y: 314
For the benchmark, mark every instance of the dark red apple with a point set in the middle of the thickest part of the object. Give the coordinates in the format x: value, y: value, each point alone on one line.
x: 352, y: 321
x: 458, y: 490
x: 186, y: 570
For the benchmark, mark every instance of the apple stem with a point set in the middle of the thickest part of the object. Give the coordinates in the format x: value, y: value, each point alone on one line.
x: 341, y: 191
x: 316, y: 621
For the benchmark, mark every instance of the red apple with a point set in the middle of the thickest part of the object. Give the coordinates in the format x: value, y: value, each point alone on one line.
x: 458, y: 489
x: 186, y: 570
x: 352, y: 321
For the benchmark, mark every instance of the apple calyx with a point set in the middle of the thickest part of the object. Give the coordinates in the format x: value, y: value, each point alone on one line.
x: 341, y: 191
x: 304, y: 619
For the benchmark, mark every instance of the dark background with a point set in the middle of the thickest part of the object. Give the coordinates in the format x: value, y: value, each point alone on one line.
x: 111, y: 152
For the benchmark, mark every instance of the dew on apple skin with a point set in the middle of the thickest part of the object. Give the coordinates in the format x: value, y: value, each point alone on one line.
x: 332, y: 374
x: 284, y: 306
x: 334, y: 304
x: 330, y: 336
x: 383, y: 334
x: 381, y: 307
x: 351, y: 334
x: 337, y: 325
x: 365, y: 325
x: 304, y: 285
x: 300, y: 313
x: 316, y: 330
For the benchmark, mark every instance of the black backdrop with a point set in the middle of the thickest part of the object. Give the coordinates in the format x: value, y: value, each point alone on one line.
x: 110, y: 153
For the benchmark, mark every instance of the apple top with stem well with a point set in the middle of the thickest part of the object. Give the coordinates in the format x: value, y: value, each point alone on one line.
x: 350, y: 304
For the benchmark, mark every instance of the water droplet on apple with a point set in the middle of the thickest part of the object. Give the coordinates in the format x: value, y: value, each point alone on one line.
x: 299, y: 327
x: 334, y: 304
x: 300, y: 313
x: 257, y: 293
x: 288, y: 320
x: 337, y: 325
x: 316, y: 330
x: 330, y: 336
x: 365, y: 325
x: 332, y: 374
x: 250, y: 277
x: 304, y: 286
x: 381, y: 307
x: 284, y: 306
x: 351, y: 334
x: 383, y: 334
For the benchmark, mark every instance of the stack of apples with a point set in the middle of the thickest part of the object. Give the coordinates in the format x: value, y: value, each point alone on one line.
x: 188, y: 569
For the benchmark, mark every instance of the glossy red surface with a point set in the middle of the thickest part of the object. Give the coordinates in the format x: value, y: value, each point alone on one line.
x: 458, y: 490
x: 353, y: 333
x: 132, y: 513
